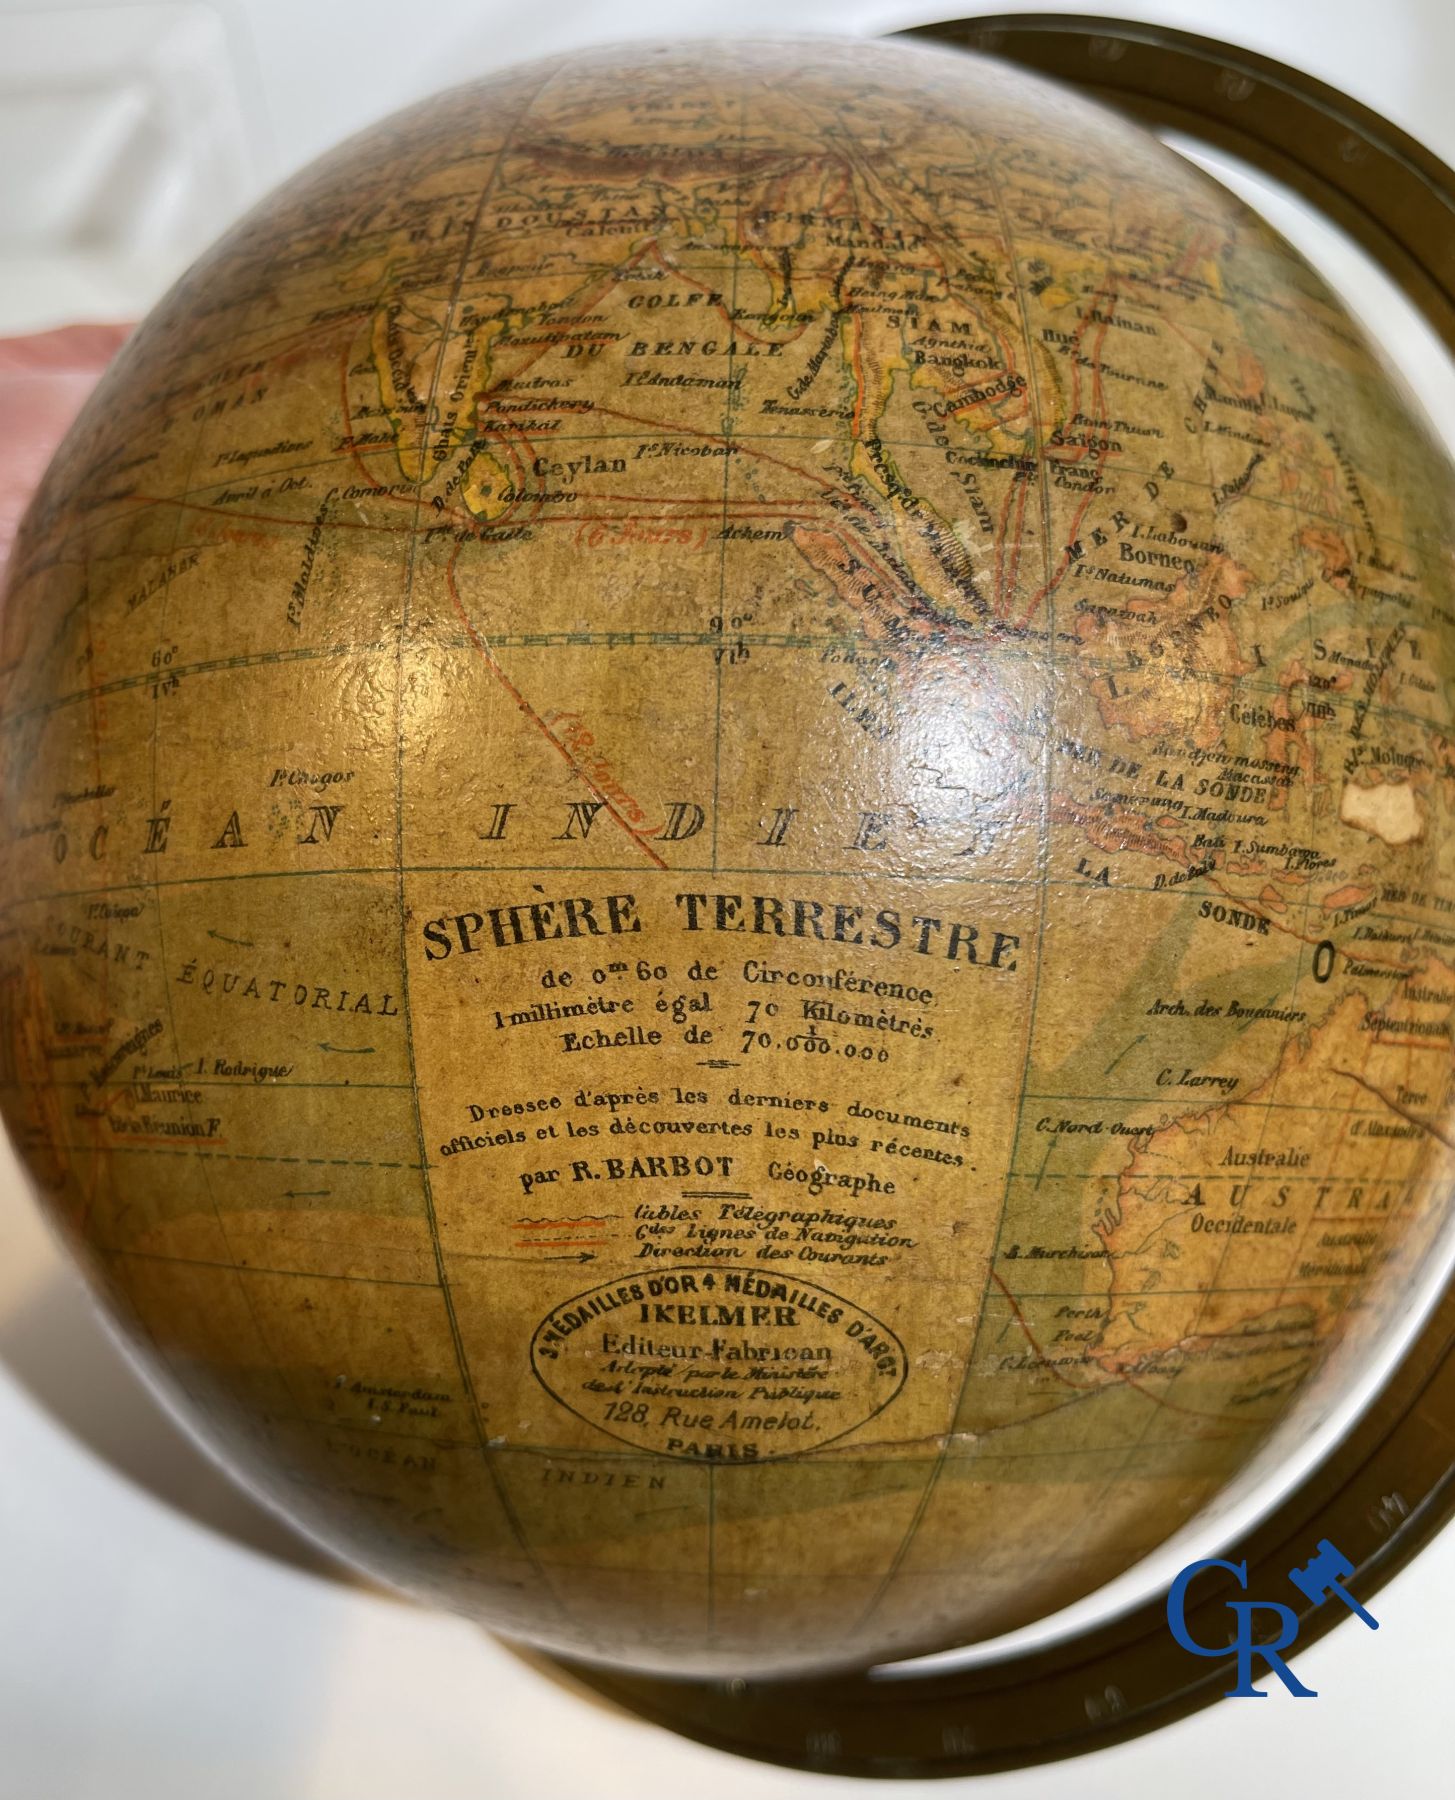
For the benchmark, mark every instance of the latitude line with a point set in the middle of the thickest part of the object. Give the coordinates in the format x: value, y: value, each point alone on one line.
x: 647, y: 637
x: 1426, y: 542
x: 1005, y: 882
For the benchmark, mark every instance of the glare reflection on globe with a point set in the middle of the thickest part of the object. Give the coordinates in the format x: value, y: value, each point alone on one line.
x: 727, y: 920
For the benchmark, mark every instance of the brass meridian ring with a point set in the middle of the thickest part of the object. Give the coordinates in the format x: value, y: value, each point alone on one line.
x: 1390, y: 1484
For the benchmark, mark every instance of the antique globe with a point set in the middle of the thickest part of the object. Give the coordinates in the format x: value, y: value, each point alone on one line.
x: 729, y: 922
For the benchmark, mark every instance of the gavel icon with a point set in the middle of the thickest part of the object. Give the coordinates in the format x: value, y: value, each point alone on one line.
x: 1323, y: 1575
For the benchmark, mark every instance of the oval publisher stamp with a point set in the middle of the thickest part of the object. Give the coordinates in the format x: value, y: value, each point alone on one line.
x: 726, y: 1365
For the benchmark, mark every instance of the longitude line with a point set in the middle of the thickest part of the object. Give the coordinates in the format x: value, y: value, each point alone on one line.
x: 154, y: 887
x: 729, y: 404
x: 1043, y: 890
x: 431, y: 1219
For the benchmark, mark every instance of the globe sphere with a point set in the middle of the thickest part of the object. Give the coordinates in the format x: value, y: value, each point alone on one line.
x: 728, y: 912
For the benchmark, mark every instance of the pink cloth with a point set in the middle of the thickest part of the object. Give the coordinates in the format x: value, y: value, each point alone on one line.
x: 44, y: 378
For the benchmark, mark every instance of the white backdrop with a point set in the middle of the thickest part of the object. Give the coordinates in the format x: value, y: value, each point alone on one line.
x: 160, y: 1637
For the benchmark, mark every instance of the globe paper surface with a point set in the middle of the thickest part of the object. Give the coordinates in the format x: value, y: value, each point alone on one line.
x: 727, y: 790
